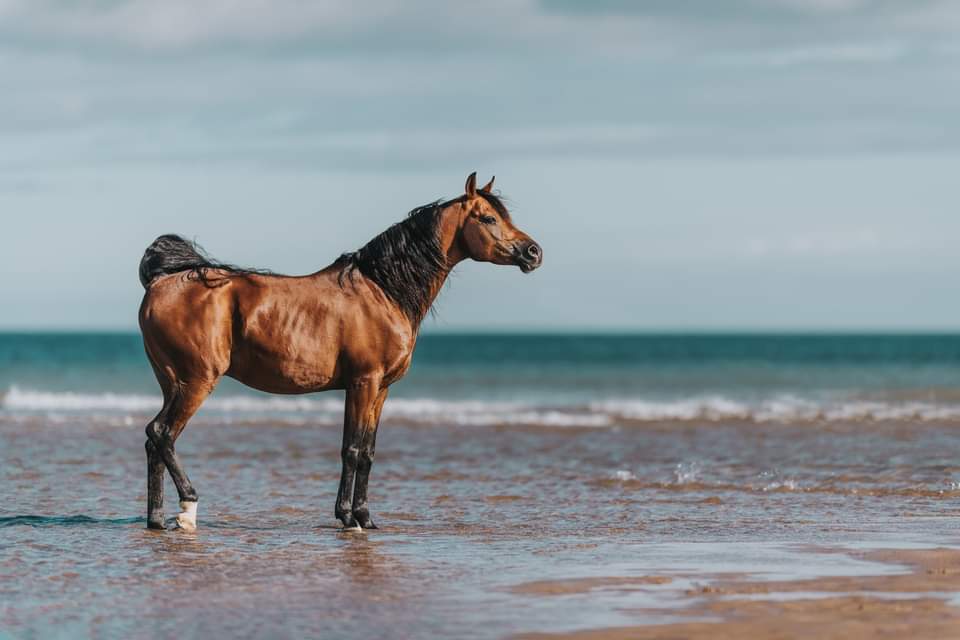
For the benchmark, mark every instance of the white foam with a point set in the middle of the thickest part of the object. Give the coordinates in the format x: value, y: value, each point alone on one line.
x: 686, y: 472
x: 27, y: 400
x: 128, y: 409
x: 308, y: 409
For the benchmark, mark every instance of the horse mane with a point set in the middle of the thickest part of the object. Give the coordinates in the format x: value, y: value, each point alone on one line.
x: 406, y: 259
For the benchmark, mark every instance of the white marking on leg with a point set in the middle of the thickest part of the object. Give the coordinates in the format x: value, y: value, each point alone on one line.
x: 187, y: 519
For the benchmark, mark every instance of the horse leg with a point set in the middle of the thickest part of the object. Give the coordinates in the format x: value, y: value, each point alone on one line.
x: 360, y: 401
x: 368, y: 444
x: 155, y: 468
x: 163, y: 432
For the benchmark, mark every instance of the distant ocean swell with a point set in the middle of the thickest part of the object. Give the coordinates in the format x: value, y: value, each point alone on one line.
x: 783, y: 409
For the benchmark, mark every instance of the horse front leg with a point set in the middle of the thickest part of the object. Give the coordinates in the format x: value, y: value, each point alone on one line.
x: 358, y: 411
x: 348, y: 460
x: 368, y: 445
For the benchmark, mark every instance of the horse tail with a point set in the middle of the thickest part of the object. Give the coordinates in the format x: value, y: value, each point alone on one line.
x: 171, y: 254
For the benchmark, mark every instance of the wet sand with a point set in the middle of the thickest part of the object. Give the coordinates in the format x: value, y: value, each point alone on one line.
x: 693, y: 531
x: 919, y: 604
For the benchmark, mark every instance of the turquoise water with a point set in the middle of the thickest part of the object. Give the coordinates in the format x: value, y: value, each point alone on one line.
x: 558, y: 380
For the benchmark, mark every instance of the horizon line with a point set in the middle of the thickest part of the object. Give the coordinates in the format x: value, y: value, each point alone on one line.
x: 573, y: 331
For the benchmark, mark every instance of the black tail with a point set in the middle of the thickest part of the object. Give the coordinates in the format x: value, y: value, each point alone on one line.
x: 171, y: 254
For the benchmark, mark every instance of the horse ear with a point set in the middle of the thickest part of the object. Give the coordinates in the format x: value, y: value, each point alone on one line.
x: 489, y: 186
x: 471, y: 188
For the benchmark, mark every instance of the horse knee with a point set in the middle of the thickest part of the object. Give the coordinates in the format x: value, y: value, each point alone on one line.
x: 364, y: 460
x: 156, y: 435
x: 151, y: 448
x: 350, y: 456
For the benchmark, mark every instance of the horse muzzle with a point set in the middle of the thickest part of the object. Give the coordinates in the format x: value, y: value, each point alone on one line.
x: 528, y: 255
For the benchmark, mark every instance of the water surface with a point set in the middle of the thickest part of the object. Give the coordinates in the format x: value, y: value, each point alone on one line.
x: 505, y: 460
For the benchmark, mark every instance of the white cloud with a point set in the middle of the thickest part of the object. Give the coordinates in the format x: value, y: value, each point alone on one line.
x: 431, y: 24
x: 868, y: 52
x: 390, y: 83
x: 178, y: 23
x: 826, y: 243
x: 939, y: 16
x: 824, y: 6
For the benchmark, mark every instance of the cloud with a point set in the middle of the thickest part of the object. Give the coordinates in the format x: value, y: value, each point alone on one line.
x: 828, y: 243
x: 391, y: 84
x: 868, y: 52
x: 652, y: 27
x: 180, y: 23
x: 825, y: 6
x: 318, y: 25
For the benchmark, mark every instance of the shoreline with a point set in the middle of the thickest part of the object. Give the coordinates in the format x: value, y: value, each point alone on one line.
x: 919, y: 604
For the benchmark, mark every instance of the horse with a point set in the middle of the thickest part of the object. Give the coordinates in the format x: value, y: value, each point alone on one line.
x: 351, y: 326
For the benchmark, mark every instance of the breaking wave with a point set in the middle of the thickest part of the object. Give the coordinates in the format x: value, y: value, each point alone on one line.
x: 783, y: 409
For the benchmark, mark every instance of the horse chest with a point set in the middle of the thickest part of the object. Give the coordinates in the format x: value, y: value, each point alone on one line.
x: 399, y: 368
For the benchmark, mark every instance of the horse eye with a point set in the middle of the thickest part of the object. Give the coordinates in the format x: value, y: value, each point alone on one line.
x: 488, y: 219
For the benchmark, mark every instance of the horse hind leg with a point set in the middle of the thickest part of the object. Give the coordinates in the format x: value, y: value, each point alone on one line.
x: 155, y: 469
x: 162, y: 433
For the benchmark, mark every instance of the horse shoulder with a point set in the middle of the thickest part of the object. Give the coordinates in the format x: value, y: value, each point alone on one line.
x: 378, y: 338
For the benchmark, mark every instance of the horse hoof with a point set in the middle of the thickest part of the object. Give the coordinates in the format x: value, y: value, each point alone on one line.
x: 366, y: 523
x: 187, y: 518
x: 156, y: 525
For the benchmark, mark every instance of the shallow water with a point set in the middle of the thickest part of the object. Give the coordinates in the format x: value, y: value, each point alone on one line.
x: 650, y: 464
x: 467, y: 516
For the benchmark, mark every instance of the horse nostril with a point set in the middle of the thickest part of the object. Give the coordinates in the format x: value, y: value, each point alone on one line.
x: 534, y: 251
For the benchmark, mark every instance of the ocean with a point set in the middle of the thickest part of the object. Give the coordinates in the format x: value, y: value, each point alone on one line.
x: 547, y: 380
x: 509, y: 470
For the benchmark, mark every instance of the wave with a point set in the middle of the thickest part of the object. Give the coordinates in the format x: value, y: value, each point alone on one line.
x: 309, y: 409
x: 626, y: 480
x: 785, y: 409
x: 29, y: 400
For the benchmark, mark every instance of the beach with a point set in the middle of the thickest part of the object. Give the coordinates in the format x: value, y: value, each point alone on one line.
x: 590, y: 488
x: 915, y: 603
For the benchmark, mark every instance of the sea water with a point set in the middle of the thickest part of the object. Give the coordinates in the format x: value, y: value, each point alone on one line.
x: 501, y: 460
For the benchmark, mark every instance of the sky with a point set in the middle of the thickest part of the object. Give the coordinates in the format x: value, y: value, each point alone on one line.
x: 697, y: 165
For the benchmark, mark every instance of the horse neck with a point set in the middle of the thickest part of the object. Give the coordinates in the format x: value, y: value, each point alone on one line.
x: 414, y: 286
x: 451, y: 222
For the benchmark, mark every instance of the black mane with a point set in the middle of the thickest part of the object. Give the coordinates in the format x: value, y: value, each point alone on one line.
x: 404, y: 260
x: 407, y: 259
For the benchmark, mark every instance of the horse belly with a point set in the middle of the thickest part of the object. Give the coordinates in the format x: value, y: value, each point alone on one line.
x: 298, y: 372
x: 286, y: 357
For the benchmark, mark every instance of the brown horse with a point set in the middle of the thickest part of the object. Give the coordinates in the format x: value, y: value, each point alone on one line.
x: 352, y: 326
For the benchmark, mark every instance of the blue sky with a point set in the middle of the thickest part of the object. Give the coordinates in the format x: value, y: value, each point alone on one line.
x: 777, y: 164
